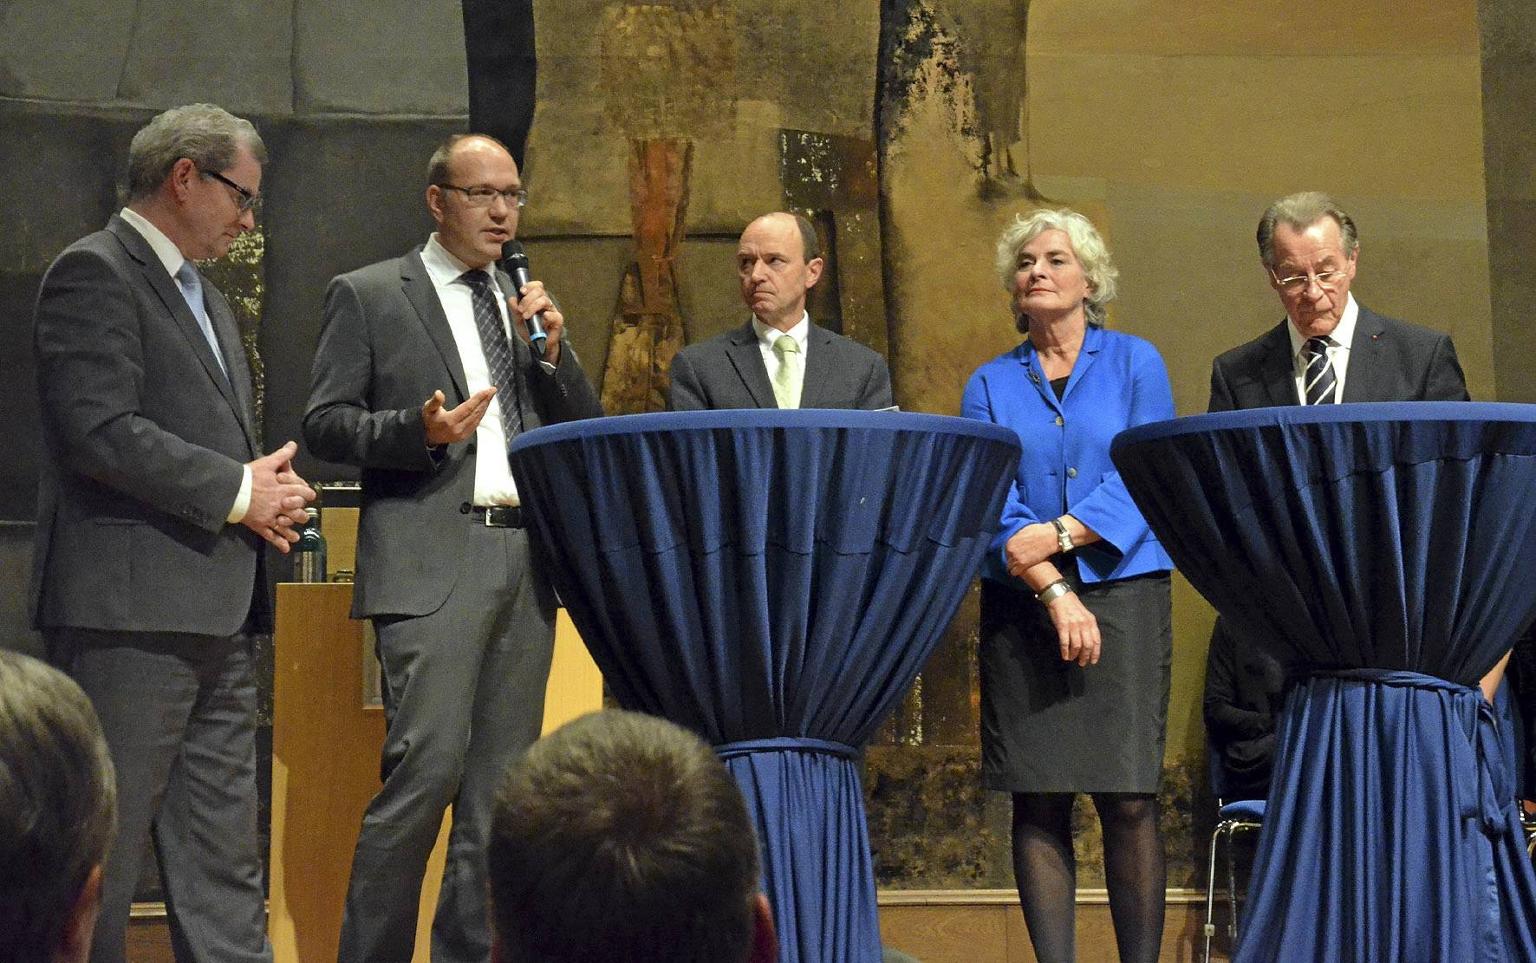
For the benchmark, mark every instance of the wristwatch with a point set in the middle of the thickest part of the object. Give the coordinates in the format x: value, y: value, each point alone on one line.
x: 1053, y: 591
x: 1063, y: 537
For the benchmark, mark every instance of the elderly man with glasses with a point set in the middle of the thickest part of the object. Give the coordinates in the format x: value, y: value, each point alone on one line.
x: 154, y: 510
x: 423, y: 376
x: 1329, y: 348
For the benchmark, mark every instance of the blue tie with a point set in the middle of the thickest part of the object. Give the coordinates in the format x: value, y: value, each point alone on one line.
x: 191, y: 284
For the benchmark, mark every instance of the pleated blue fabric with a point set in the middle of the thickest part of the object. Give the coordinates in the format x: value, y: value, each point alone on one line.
x: 1386, y: 553
x: 774, y: 580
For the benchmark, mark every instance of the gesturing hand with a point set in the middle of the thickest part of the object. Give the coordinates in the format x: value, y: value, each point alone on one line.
x: 448, y: 425
x: 278, y: 497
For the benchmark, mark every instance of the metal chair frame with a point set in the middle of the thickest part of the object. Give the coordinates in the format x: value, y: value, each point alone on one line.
x: 1227, y: 828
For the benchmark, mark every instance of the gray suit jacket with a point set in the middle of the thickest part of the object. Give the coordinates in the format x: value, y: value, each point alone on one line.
x: 145, y: 439
x: 727, y: 372
x: 385, y: 347
x: 1389, y: 360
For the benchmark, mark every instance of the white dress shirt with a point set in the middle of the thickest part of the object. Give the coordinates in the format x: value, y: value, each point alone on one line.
x: 1342, y: 336
x: 171, y: 257
x: 493, y: 472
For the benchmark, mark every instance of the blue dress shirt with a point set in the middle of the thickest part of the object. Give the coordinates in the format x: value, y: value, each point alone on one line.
x: 1119, y: 381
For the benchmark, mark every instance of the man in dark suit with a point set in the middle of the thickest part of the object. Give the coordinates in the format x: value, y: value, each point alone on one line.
x: 153, y: 504
x: 1329, y: 348
x: 421, y: 382
x: 779, y: 359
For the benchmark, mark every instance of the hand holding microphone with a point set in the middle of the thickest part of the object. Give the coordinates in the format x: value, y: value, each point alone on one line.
x: 515, y: 262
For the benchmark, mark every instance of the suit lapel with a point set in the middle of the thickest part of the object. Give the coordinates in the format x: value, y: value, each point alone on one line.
x: 522, y: 356
x: 165, y: 288
x: 418, y: 289
x: 820, y: 368
x: 227, y: 330
x: 1366, y: 371
x: 1278, y: 374
x: 748, y: 360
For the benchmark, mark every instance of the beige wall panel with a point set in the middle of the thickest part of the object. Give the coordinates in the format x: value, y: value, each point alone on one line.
x: 1384, y: 125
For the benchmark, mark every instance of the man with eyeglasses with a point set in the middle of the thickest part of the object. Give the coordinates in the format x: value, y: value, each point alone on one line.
x: 422, y: 377
x: 1329, y: 349
x: 154, y: 508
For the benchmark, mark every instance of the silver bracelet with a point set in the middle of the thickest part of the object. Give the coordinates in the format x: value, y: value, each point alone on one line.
x: 1053, y: 591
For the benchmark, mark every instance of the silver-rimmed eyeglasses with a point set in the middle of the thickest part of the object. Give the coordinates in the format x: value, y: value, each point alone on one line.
x: 486, y: 196
x: 1297, y: 283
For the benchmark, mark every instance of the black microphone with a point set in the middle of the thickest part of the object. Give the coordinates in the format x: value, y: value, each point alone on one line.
x: 515, y: 263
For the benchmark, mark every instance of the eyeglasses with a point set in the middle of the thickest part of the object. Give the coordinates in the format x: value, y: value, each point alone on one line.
x: 247, y: 201
x: 485, y: 196
x: 1297, y: 283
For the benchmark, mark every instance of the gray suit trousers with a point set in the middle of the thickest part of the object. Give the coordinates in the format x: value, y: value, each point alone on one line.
x: 464, y: 696
x: 179, y: 714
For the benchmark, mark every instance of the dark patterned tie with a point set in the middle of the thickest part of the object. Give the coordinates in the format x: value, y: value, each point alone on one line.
x: 498, y: 352
x: 1320, y: 381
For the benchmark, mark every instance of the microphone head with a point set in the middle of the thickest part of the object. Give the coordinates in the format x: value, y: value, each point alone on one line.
x: 512, y: 254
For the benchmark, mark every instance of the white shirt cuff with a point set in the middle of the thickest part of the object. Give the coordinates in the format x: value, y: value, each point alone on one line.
x: 242, y: 498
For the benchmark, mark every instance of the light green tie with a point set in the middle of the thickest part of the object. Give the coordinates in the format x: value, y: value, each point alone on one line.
x: 788, y: 380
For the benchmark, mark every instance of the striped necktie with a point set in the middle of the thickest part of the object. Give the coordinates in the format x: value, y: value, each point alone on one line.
x: 1320, y: 381
x: 498, y: 351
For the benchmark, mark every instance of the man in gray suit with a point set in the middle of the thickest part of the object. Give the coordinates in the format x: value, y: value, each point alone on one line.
x: 421, y: 382
x: 779, y: 359
x: 1329, y: 348
x: 153, y: 505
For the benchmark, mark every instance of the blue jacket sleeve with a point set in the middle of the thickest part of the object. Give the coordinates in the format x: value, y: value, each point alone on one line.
x: 977, y: 403
x: 1108, y: 508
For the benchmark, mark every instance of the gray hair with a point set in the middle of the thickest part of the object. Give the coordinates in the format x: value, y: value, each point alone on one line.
x: 622, y: 837
x: 58, y: 804
x: 1301, y: 211
x: 1091, y: 251
x: 208, y: 136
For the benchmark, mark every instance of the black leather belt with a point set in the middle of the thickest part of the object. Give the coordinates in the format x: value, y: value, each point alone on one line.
x: 498, y: 516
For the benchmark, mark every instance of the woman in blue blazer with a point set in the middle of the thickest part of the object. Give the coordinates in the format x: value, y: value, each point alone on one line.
x: 1076, y: 626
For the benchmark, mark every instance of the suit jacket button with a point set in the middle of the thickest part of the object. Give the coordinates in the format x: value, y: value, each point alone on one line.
x: 1059, y: 421
x: 1071, y: 472
x: 464, y: 508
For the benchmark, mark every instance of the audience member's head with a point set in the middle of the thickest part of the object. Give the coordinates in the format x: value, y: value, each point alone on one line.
x: 621, y: 837
x: 58, y: 813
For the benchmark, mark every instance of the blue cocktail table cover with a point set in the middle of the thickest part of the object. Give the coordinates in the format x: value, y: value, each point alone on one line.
x: 773, y: 580
x: 1387, y: 554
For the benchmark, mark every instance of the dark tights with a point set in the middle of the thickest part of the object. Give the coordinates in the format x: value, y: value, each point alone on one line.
x: 1046, y: 872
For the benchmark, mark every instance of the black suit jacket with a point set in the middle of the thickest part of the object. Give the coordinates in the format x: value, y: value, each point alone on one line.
x: 145, y: 442
x: 727, y: 372
x: 385, y: 347
x: 1389, y: 360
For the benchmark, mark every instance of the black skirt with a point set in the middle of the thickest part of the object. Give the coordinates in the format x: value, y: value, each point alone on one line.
x: 1052, y: 726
